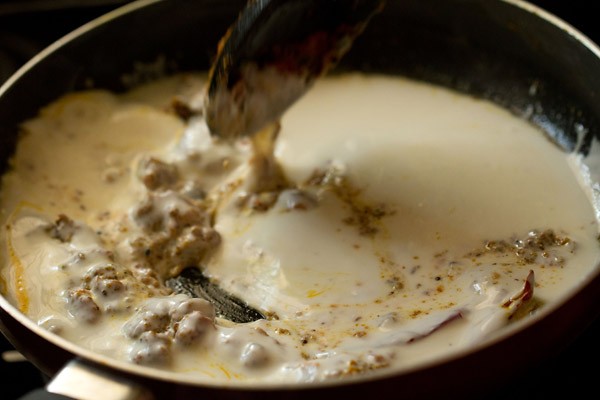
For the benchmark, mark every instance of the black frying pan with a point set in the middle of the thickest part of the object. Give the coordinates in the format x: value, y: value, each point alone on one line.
x: 492, y: 49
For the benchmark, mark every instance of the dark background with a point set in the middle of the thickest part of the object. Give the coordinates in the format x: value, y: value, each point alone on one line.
x: 28, y: 26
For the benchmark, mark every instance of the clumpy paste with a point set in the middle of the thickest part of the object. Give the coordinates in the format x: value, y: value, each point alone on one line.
x: 398, y: 222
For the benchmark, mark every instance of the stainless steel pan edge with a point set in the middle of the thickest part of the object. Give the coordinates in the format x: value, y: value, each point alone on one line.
x: 498, y: 50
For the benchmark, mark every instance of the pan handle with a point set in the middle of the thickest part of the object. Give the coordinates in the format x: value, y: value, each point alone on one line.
x: 79, y: 380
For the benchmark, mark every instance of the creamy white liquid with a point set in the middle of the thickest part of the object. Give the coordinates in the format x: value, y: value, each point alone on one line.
x: 449, y: 174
